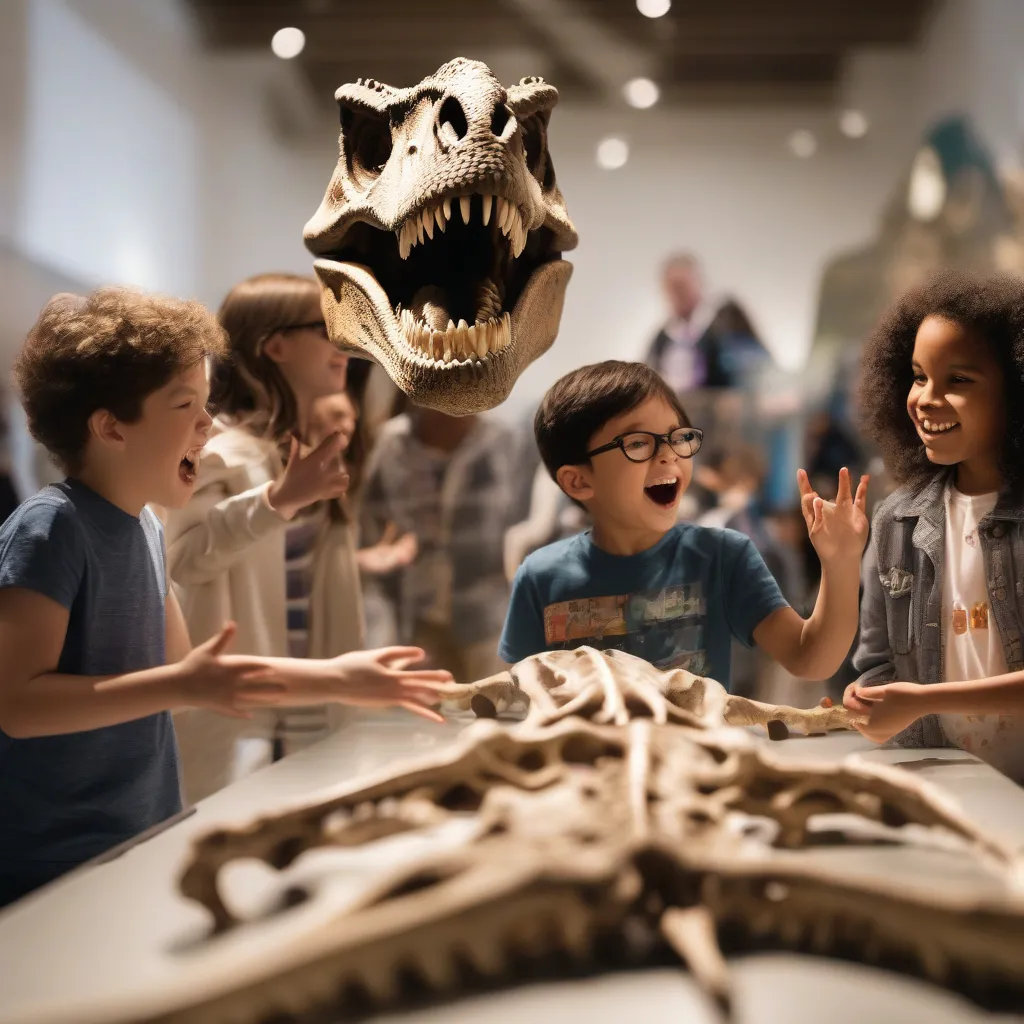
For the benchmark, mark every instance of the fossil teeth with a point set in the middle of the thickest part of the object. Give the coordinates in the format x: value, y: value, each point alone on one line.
x: 428, y: 223
x: 465, y: 204
x: 439, y: 217
x: 487, y: 200
x: 446, y: 206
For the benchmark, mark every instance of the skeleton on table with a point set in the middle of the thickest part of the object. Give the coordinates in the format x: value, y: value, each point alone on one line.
x: 625, y: 815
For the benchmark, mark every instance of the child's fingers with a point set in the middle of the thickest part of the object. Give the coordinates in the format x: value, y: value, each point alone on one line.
x: 409, y: 655
x: 843, y: 494
x: 329, y: 447
x: 217, y: 645
x: 803, y: 481
x: 418, y: 709
x: 819, y: 512
x: 428, y: 678
x: 861, y: 499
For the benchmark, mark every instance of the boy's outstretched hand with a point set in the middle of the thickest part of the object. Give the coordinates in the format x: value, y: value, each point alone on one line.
x: 383, y: 678
x: 838, y: 529
x: 231, y: 684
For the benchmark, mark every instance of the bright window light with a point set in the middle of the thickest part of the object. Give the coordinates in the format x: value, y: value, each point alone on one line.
x: 288, y: 42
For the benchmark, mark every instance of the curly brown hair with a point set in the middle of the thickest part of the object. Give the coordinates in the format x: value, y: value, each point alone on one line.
x: 108, y: 350
x: 992, y: 306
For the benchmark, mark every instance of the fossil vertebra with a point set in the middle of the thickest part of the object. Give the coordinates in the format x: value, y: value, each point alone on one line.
x: 597, y: 840
x: 440, y: 236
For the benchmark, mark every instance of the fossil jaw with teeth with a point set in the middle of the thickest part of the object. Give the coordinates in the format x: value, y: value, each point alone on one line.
x: 419, y: 226
x: 457, y: 342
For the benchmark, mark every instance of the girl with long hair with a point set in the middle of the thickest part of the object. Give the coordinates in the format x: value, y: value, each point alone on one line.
x: 264, y: 542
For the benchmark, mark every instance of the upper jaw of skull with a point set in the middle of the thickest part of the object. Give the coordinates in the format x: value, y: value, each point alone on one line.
x: 467, y: 285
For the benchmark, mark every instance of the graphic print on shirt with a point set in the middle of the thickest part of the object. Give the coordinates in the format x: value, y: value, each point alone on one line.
x: 665, y: 626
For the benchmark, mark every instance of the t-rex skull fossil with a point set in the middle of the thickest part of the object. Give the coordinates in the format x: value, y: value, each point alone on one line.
x: 440, y: 236
x: 649, y: 827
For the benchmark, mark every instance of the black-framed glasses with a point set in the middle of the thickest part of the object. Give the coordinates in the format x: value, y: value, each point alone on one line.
x: 310, y: 325
x: 643, y: 445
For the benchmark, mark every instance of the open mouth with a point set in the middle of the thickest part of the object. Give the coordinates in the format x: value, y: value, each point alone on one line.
x: 188, y: 465
x: 933, y: 428
x: 663, y: 492
x: 453, y: 273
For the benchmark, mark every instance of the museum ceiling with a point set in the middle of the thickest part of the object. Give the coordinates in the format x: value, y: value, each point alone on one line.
x: 700, y: 52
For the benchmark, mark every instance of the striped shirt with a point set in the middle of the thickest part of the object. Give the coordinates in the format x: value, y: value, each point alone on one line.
x: 299, y: 726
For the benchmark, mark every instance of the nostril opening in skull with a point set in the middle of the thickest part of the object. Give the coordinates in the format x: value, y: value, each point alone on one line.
x: 499, y: 119
x: 451, y: 120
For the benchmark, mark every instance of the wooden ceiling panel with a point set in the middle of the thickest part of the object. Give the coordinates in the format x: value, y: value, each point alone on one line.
x: 715, y: 50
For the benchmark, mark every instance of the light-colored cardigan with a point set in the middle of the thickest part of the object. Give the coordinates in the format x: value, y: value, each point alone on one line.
x: 226, y: 559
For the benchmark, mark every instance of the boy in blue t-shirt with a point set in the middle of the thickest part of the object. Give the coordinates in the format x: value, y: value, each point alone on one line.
x: 93, y: 647
x: 618, y: 442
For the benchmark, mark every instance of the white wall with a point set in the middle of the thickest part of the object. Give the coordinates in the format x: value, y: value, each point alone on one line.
x: 726, y: 187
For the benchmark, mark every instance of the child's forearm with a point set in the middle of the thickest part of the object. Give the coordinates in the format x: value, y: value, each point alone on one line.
x: 828, y: 635
x: 992, y: 695
x: 55, y: 703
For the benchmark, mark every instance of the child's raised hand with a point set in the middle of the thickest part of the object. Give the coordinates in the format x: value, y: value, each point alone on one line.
x: 887, y: 709
x: 391, y: 552
x: 316, y: 476
x: 382, y: 678
x: 838, y: 529
x: 231, y: 685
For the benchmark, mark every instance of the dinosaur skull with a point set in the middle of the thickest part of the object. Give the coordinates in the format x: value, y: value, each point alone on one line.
x: 439, y: 240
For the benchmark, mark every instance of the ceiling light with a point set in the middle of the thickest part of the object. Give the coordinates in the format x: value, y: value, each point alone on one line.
x: 641, y: 93
x: 803, y: 144
x: 612, y: 153
x: 288, y: 42
x: 653, y: 8
x: 854, y: 124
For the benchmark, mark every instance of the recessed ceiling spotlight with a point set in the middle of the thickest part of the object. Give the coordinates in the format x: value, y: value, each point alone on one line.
x: 854, y: 124
x: 288, y: 42
x: 803, y: 143
x: 653, y: 8
x: 612, y: 153
x: 641, y: 93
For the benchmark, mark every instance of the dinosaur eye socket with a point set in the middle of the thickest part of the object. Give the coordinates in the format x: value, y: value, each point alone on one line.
x: 535, y: 147
x: 367, y: 144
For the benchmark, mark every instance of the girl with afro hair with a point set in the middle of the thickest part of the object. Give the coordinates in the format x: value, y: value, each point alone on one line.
x: 942, y: 394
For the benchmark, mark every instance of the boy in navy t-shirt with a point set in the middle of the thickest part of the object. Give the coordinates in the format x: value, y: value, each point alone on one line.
x: 618, y: 442
x: 93, y: 647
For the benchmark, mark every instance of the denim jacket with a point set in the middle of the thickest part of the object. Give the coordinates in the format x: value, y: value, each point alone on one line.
x: 901, y: 628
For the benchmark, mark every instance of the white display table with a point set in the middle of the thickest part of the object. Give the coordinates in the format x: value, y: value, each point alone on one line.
x: 112, y: 931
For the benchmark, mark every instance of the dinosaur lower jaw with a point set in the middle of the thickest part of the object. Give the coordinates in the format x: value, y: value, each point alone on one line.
x: 460, y: 370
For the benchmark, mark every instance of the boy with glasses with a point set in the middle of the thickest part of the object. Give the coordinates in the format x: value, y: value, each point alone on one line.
x: 618, y: 442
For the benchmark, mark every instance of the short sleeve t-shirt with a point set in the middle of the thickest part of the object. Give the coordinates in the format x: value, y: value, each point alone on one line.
x: 65, y: 799
x: 972, y: 647
x: 677, y: 605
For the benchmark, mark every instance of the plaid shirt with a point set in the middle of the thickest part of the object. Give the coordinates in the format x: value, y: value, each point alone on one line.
x: 459, y: 506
